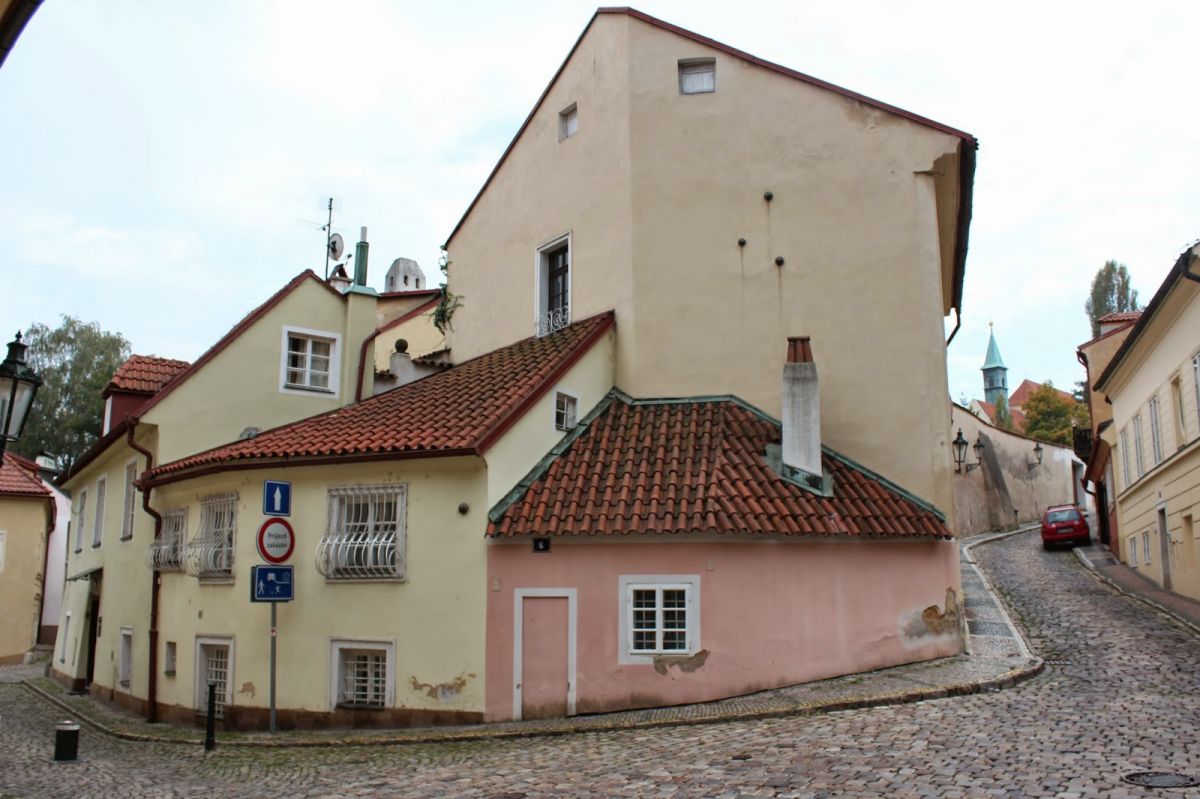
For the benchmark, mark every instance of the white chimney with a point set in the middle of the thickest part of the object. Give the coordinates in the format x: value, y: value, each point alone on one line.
x: 801, y: 408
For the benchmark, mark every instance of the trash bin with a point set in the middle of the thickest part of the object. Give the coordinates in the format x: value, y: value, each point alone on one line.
x: 66, y: 740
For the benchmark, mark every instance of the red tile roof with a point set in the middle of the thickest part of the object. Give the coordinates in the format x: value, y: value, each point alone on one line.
x: 1017, y: 399
x: 460, y: 411
x: 145, y: 374
x: 18, y: 479
x: 1120, y: 316
x: 697, y: 466
x: 1018, y: 418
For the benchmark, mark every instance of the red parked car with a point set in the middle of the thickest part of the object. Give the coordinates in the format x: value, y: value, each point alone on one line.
x: 1064, y: 524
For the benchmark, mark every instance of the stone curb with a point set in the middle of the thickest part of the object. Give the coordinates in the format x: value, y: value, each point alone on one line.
x: 1161, y: 608
x: 1000, y: 682
x: 1001, y: 604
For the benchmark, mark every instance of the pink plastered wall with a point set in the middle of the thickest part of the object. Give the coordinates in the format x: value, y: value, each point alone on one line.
x: 772, y: 613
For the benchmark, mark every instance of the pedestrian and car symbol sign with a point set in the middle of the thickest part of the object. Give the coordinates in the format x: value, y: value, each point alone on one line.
x: 277, y: 498
x: 276, y: 540
x: 271, y: 584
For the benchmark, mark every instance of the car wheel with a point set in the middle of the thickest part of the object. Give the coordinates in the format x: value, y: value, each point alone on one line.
x: 1046, y: 545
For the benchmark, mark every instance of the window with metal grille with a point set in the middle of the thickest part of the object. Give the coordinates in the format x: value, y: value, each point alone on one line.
x: 166, y: 552
x: 169, y: 659
x: 1155, y: 433
x: 363, y: 678
x: 98, y: 526
x: 309, y: 361
x: 210, y: 552
x: 697, y: 76
x: 214, y: 661
x: 658, y: 618
x: 564, y: 411
x: 128, y: 510
x: 553, y: 292
x: 365, y: 539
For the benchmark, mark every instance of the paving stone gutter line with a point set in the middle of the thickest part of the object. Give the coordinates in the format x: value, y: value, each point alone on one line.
x: 666, y: 717
x: 1170, y: 613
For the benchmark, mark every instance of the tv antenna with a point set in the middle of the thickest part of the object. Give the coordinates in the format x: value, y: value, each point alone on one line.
x: 333, y: 242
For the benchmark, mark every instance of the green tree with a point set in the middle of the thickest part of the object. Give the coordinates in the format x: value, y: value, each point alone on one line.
x: 1049, y: 415
x: 1112, y: 291
x: 75, y: 361
x: 1003, y: 418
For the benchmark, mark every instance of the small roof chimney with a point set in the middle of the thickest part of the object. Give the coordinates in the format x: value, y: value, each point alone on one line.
x: 360, y: 259
x: 801, y: 409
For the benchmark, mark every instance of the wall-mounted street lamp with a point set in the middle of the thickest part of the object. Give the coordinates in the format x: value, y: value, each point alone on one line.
x: 960, y: 452
x: 18, y: 385
x: 1037, y: 454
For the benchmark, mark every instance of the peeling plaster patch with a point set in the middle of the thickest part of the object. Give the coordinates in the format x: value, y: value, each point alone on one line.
x: 686, y: 664
x: 919, y: 627
x: 443, y: 692
x: 247, y: 688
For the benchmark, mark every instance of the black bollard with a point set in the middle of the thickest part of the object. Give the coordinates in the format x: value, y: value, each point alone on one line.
x: 66, y: 740
x: 210, y: 722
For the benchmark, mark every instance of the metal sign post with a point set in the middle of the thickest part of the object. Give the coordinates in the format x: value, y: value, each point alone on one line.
x: 273, y: 668
x: 272, y: 584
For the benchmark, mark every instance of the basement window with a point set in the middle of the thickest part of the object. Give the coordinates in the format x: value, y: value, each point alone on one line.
x: 564, y: 411
x: 568, y: 122
x: 697, y: 76
x: 363, y: 674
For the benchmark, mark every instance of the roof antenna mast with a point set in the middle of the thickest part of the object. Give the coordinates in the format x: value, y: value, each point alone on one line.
x: 332, y: 250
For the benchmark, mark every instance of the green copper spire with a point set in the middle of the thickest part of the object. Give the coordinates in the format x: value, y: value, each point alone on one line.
x: 995, y: 373
x: 993, y: 358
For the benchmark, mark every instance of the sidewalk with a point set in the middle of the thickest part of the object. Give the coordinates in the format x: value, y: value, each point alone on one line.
x: 996, y: 658
x: 1100, y: 560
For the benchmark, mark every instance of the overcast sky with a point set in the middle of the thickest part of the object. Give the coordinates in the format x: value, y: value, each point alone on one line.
x: 163, y: 161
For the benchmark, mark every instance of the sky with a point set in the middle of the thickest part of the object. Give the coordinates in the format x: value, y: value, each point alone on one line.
x: 165, y: 164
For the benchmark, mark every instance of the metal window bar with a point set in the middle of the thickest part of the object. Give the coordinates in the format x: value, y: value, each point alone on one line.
x: 365, y: 539
x: 166, y: 552
x: 210, y: 553
x: 364, y: 678
x: 549, y: 322
x: 215, y: 670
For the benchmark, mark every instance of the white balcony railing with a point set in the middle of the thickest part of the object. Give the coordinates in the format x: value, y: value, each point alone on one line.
x: 551, y: 321
x: 166, y: 554
x: 206, y: 558
x: 355, y: 556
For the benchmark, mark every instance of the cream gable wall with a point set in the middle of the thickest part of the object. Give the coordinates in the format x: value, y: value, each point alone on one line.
x: 23, y: 524
x: 422, y: 337
x: 656, y: 188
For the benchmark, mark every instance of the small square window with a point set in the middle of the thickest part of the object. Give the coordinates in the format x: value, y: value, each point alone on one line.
x: 564, y: 411
x: 568, y: 122
x: 363, y: 675
x: 697, y: 76
x: 660, y: 616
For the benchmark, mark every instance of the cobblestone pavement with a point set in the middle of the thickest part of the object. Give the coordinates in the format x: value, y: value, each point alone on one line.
x: 1122, y: 695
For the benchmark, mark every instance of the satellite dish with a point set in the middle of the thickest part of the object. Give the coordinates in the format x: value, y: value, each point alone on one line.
x: 336, y: 246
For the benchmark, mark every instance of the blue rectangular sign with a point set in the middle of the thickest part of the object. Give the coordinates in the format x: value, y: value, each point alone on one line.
x: 271, y: 584
x: 277, y: 498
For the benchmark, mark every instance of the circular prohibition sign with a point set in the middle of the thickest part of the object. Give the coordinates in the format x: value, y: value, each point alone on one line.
x: 276, y: 540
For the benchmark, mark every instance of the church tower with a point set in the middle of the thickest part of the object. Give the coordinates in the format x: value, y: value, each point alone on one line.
x: 995, y: 373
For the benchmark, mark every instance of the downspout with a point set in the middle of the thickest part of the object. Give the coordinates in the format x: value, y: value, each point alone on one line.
x: 957, y: 325
x: 1185, y: 265
x: 362, y: 363
x: 37, y: 635
x: 152, y: 665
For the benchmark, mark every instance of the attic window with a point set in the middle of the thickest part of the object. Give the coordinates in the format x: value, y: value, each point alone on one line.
x: 568, y: 122
x: 697, y: 76
x: 564, y: 411
x: 310, y: 361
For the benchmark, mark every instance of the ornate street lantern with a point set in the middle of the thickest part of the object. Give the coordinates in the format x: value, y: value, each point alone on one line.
x: 18, y: 385
x: 960, y: 450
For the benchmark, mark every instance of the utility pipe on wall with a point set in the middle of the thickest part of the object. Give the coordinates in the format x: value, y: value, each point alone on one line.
x: 152, y: 660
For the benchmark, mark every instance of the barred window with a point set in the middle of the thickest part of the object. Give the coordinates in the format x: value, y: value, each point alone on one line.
x: 365, y: 539
x: 364, y: 678
x: 167, y: 552
x: 210, y: 553
x: 214, y: 664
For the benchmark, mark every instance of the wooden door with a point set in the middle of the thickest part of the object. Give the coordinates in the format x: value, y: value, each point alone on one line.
x: 545, y: 678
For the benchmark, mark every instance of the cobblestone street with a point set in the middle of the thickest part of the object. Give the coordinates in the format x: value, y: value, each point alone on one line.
x: 1121, y: 693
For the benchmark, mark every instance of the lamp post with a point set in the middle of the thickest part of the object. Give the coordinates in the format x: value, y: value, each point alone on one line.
x: 1037, y: 454
x: 18, y: 385
x: 960, y: 450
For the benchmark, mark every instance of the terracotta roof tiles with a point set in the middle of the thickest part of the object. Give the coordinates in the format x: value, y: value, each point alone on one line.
x: 1120, y: 316
x: 17, y: 479
x: 697, y: 466
x: 145, y: 374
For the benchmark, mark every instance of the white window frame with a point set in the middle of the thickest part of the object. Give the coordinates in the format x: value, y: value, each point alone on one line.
x: 1146, y: 547
x: 1155, y: 431
x: 1196, y: 383
x: 697, y: 66
x: 210, y: 553
x: 125, y: 657
x: 568, y: 122
x: 338, y: 551
x: 98, y: 524
x: 80, y: 520
x: 130, y: 507
x: 201, y: 684
x: 570, y: 416
x: 167, y: 552
x: 1137, y: 445
x: 541, y: 279
x: 335, y: 362
x: 1133, y: 550
x: 519, y: 597
x: 338, y: 646
x: 626, y: 584
x: 170, y: 658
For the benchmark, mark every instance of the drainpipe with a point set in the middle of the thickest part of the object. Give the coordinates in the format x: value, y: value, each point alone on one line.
x: 957, y: 325
x: 37, y: 633
x: 152, y: 667
x: 1185, y: 266
x: 362, y: 362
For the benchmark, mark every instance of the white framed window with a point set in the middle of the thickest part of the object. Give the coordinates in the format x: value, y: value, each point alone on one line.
x: 552, y: 281
x: 166, y: 553
x: 214, y: 664
x: 362, y: 674
x: 1196, y: 382
x: 128, y: 508
x: 1146, y: 547
x: 1155, y: 432
x: 210, y: 552
x: 66, y: 638
x: 80, y: 515
x: 125, y: 658
x: 310, y: 361
x: 697, y: 76
x: 1125, y: 456
x: 1133, y: 547
x: 568, y: 122
x: 170, y: 654
x: 98, y: 526
x: 366, y: 534
x: 1137, y: 445
x: 1111, y: 493
x: 660, y: 615
x: 565, y: 410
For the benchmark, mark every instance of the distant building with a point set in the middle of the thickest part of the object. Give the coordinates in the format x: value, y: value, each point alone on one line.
x: 995, y: 387
x: 28, y: 517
